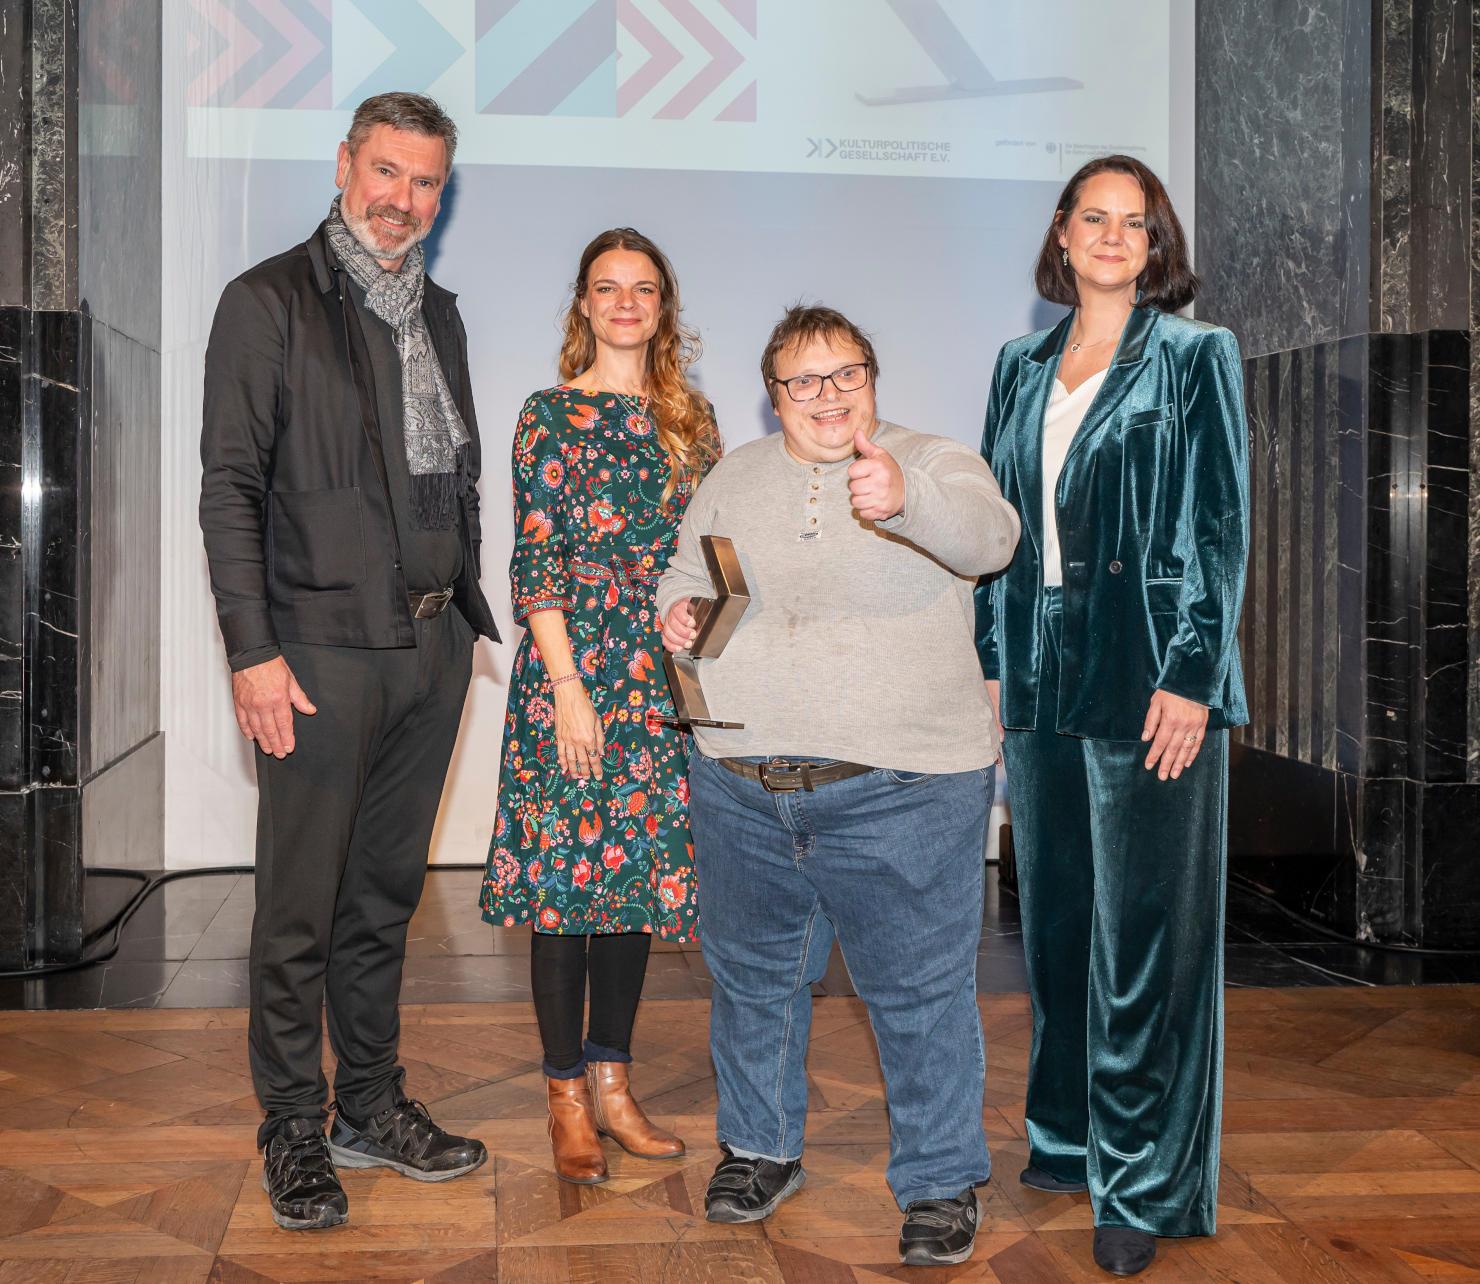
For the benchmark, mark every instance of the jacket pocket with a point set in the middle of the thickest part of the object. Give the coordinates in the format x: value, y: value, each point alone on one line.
x: 1156, y: 415
x: 317, y: 541
x: 1163, y: 596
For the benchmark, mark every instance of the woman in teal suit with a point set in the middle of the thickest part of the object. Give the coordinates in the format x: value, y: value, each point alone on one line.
x: 1110, y: 649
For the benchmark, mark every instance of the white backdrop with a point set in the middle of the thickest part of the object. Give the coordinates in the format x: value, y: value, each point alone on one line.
x: 734, y: 132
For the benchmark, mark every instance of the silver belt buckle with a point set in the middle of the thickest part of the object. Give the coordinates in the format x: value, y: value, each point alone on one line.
x: 790, y: 777
x: 437, y: 602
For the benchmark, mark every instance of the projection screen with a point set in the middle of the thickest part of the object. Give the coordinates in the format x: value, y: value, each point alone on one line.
x: 897, y: 159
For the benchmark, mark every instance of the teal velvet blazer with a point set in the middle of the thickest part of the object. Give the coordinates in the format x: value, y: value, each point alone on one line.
x: 1153, y: 522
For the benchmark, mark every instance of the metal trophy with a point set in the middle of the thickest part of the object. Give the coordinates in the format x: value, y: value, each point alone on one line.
x: 716, y: 618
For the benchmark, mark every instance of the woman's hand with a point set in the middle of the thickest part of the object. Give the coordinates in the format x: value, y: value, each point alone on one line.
x: 678, y: 625
x: 579, y: 738
x: 1176, y: 728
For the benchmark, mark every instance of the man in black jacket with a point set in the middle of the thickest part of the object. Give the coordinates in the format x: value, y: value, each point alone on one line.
x: 339, y: 505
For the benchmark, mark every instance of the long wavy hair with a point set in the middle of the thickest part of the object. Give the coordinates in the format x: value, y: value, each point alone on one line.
x: 684, y: 419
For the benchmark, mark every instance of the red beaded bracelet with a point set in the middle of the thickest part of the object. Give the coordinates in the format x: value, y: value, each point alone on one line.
x: 569, y: 677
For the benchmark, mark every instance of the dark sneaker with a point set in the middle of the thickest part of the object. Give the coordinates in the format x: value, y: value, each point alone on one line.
x: 404, y: 1137
x: 748, y: 1190
x: 1037, y: 1179
x: 938, y: 1232
x: 299, y: 1178
x: 1123, y: 1251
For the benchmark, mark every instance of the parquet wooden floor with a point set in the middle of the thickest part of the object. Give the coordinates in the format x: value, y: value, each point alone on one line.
x: 1351, y: 1152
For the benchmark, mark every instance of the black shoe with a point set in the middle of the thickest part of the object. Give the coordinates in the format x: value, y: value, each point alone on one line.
x: 1123, y: 1251
x: 1036, y: 1179
x: 300, y: 1180
x: 939, y: 1232
x: 748, y: 1190
x: 404, y: 1137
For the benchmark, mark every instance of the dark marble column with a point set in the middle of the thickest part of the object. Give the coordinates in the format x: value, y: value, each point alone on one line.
x: 80, y: 763
x: 1338, y: 232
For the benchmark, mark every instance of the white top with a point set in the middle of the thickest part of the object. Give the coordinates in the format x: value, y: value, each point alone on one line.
x: 1060, y: 422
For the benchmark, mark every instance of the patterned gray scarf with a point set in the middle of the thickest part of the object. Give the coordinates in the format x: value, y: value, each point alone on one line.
x: 434, y: 430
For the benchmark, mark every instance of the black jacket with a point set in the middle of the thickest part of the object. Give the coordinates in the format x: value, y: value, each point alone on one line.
x: 294, y: 503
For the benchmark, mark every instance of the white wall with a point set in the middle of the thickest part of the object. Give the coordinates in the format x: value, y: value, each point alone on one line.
x: 936, y: 268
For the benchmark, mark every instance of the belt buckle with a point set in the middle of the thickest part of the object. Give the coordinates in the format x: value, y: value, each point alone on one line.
x: 797, y: 776
x: 437, y: 601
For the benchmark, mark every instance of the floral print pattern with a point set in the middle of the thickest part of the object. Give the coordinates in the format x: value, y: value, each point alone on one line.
x: 591, y: 538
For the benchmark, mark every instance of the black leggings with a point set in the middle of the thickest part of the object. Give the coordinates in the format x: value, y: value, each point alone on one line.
x: 558, y: 967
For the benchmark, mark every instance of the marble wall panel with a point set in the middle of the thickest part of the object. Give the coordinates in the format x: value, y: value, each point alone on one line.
x: 15, y: 168
x: 1350, y: 551
x: 1384, y: 817
x: 56, y: 912
x: 57, y: 555
x: 1472, y: 749
x: 53, y: 237
x: 1423, y: 80
x: 15, y: 387
x: 1394, y: 552
x: 1296, y: 631
x: 15, y: 878
x: 1451, y: 884
x: 1448, y: 575
x: 1283, y: 169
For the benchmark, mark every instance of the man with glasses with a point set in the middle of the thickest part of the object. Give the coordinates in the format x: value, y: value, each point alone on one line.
x: 852, y: 803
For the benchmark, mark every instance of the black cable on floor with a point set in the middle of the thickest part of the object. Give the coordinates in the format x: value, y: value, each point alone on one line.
x: 1315, y: 925
x: 113, y: 928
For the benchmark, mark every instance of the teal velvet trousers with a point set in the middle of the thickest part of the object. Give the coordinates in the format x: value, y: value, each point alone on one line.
x: 1121, y: 882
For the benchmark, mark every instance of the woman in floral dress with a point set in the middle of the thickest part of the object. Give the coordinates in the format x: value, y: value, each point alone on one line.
x: 591, y: 839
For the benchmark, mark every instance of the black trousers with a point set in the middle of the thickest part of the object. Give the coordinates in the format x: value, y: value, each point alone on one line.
x: 343, y: 827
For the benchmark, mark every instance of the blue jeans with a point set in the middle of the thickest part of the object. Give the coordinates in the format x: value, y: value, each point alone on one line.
x: 889, y: 864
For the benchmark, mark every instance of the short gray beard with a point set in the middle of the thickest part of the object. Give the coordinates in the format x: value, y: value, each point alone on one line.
x: 359, y: 228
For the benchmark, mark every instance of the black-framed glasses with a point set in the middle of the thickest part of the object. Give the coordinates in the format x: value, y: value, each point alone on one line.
x: 808, y: 387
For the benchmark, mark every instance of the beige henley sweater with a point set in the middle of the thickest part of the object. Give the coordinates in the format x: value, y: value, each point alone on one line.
x: 858, y: 642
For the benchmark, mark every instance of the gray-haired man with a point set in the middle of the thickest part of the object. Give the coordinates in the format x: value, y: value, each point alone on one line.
x: 340, y: 509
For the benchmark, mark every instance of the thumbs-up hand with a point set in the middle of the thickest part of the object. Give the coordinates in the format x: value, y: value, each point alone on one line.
x: 875, y: 480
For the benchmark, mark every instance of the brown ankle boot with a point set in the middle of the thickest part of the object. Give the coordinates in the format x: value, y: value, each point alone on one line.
x: 573, y: 1138
x: 619, y: 1117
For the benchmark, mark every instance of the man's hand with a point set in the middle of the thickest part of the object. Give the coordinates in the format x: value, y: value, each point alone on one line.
x: 875, y: 481
x: 1175, y: 726
x: 678, y: 625
x: 265, y: 696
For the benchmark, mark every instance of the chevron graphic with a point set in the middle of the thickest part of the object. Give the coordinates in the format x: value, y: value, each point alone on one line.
x: 546, y: 57
x: 648, y: 59
x: 261, y: 53
x: 414, y: 50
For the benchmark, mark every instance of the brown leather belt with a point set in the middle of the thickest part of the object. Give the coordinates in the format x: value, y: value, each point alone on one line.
x: 428, y: 606
x: 783, y: 776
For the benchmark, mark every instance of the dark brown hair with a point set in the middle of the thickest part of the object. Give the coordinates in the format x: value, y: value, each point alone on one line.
x: 804, y: 322
x: 685, y: 421
x: 1168, y: 281
x: 415, y: 113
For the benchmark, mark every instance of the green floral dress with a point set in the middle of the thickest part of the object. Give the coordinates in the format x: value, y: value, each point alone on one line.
x: 591, y: 538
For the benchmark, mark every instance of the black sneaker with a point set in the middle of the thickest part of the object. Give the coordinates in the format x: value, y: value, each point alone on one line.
x: 748, y: 1190
x: 299, y: 1178
x: 404, y: 1137
x: 938, y: 1232
x: 1036, y: 1179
